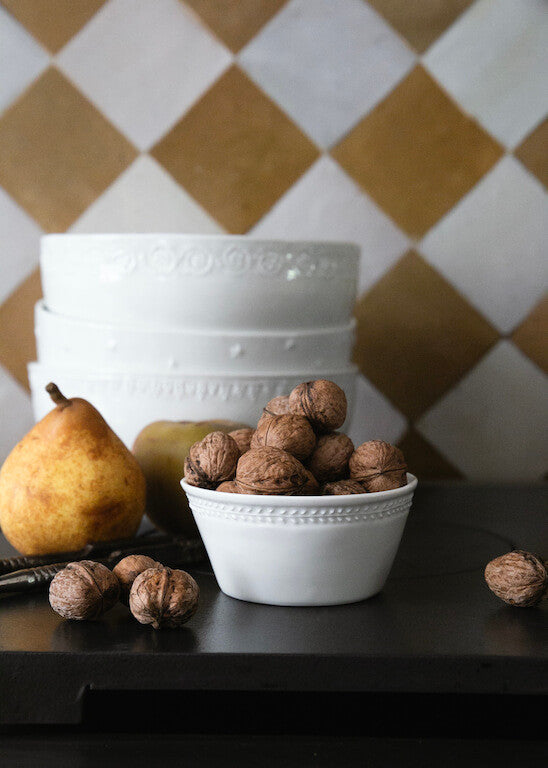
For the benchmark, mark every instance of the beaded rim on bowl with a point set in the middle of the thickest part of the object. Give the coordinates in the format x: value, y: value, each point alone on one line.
x: 345, y: 500
x: 304, y: 510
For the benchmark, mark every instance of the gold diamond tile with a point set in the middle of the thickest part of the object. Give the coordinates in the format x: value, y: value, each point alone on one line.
x: 235, y: 152
x: 420, y: 22
x: 416, y: 153
x: 425, y: 461
x: 57, y: 152
x: 417, y: 336
x: 17, y: 346
x: 532, y: 335
x: 235, y: 22
x: 533, y: 152
x: 53, y: 22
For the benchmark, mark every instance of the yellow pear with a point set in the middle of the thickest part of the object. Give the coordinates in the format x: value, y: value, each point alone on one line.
x: 161, y: 449
x: 69, y: 481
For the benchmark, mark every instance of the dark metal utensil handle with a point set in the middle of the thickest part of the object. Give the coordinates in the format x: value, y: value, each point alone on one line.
x: 18, y: 562
x: 91, y: 551
x: 30, y: 578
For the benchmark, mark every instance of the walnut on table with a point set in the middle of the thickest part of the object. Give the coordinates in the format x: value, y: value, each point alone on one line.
x: 519, y: 578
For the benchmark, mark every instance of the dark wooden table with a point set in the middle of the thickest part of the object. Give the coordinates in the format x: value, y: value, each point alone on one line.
x: 398, y: 678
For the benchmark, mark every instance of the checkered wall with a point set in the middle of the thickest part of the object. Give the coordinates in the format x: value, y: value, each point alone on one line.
x: 413, y: 128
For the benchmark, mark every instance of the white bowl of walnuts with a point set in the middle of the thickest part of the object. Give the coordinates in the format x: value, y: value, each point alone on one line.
x: 291, y: 513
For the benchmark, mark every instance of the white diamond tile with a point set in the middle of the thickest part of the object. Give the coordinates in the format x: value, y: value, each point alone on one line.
x: 492, y: 425
x: 494, y: 61
x: 15, y: 413
x: 22, y: 58
x: 144, y: 64
x: 145, y: 198
x: 327, y: 63
x: 492, y: 244
x: 374, y: 417
x: 20, y: 243
x: 326, y: 204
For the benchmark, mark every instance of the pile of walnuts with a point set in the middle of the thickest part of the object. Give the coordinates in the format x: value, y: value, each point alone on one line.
x: 296, y: 451
x: 155, y: 594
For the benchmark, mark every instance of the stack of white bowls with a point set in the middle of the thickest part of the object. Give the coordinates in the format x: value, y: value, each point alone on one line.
x: 181, y: 327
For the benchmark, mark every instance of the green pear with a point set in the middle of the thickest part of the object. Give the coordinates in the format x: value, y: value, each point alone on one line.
x: 161, y: 449
x: 69, y: 481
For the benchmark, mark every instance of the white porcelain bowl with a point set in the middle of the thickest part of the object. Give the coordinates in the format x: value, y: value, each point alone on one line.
x: 130, y: 401
x: 294, y: 550
x: 190, y: 281
x: 69, y: 343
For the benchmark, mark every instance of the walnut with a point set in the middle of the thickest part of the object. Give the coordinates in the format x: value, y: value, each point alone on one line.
x: 322, y: 402
x: 242, y: 438
x: 343, y: 488
x: 277, y: 406
x: 229, y: 486
x: 211, y: 460
x: 164, y: 597
x: 83, y: 590
x: 378, y: 466
x: 312, y: 487
x: 329, y: 459
x: 289, y: 432
x: 127, y: 570
x: 519, y: 578
x: 270, y: 471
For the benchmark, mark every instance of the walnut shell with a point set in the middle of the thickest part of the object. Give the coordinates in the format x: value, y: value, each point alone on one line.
x: 343, y: 488
x: 127, y: 570
x: 378, y: 466
x: 312, y: 487
x: 329, y: 459
x: 322, y: 402
x: 519, y: 578
x: 277, y: 406
x: 242, y: 438
x: 164, y: 597
x: 288, y: 432
x: 83, y: 590
x: 229, y: 486
x: 212, y: 460
x: 270, y: 471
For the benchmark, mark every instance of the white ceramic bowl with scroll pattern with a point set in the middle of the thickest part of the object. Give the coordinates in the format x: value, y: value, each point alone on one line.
x: 224, y: 282
x: 295, y: 550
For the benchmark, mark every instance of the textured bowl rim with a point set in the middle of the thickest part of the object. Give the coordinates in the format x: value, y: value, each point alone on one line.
x: 41, y: 309
x: 306, y: 502
x: 109, y: 376
x: 264, y: 241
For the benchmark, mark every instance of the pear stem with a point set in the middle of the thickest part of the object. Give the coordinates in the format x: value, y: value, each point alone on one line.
x: 56, y: 395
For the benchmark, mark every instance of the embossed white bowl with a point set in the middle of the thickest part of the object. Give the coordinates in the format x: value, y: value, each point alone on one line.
x: 199, y: 281
x: 129, y: 401
x: 70, y: 343
x: 295, y: 550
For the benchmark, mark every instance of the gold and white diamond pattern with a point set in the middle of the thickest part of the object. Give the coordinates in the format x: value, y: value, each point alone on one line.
x: 414, y: 129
